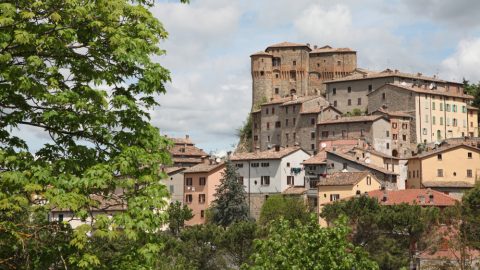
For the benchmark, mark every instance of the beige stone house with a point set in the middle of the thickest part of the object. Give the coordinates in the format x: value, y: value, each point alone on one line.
x: 374, y: 129
x: 200, y: 184
x: 451, y: 169
x: 185, y: 153
x: 438, y: 113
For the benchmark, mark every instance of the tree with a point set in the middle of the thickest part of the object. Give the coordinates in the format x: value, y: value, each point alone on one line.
x: 474, y: 90
x: 80, y: 74
x: 177, y: 215
x: 237, y: 241
x: 470, y: 216
x: 291, y: 208
x: 230, y: 204
x: 308, y: 246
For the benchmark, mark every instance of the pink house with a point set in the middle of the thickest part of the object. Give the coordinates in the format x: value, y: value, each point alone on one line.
x: 200, y: 182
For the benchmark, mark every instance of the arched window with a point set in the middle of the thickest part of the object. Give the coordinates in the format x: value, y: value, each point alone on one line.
x: 293, y: 92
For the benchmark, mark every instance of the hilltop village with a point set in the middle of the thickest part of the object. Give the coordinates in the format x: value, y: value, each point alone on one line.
x: 323, y: 129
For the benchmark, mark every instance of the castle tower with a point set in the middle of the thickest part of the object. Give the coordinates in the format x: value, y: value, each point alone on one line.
x: 261, y: 77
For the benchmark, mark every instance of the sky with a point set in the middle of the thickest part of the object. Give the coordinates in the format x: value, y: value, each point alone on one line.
x: 210, y: 42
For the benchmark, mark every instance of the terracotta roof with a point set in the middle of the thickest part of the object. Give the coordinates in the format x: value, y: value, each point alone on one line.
x: 181, y: 141
x: 423, y: 91
x: 186, y: 160
x: 287, y: 44
x: 261, y: 53
x: 343, y: 178
x: 173, y: 170
x: 351, y: 119
x: 294, y: 191
x: 319, y: 158
x: 269, y: 154
x: 328, y: 49
x: 181, y: 150
x: 299, y: 100
x: 472, y: 108
x: 444, y: 149
x: 367, y: 165
x: 394, y: 113
x: 368, y: 74
x: 319, y: 110
x: 204, y: 168
x: 447, y: 184
x: 412, y: 196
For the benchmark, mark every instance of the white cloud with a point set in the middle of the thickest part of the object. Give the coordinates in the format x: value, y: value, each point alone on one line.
x: 464, y: 62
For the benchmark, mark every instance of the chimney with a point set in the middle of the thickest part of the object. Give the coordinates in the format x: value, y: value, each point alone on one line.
x: 277, y: 148
x: 204, y: 159
x: 257, y: 149
x: 315, y: 47
x: 187, y: 136
x: 396, y: 70
x: 308, y: 45
x: 419, y: 74
x: 431, y: 198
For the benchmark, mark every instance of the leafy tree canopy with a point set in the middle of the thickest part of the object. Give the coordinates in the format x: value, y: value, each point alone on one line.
x: 291, y: 208
x: 79, y: 72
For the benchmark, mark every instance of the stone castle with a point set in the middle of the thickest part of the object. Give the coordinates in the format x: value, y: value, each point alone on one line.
x: 288, y: 68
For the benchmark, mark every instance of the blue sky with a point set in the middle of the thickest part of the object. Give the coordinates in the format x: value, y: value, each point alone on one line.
x: 210, y: 42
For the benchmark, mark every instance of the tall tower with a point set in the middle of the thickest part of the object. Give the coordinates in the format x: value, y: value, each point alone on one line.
x: 261, y: 77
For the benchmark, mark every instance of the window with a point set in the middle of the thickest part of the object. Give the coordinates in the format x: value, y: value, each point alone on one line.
x: 294, y: 63
x: 255, y: 138
x: 255, y: 125
x: 349, y: 89
x: 188, y: 198
x: 293, y: 75
x: 286, y: 109
x: 369, y: 180
x: 334, y: 91
x: 294, y: 121
x: 201, y: 198
x: 266, y: 110
x: 278, y: 124
x: 202, y: 213
x: 383, y: 96
x: 387, y: 133
x: 395, y: 136
x: 262, y: 73
x: 287, y: 137
x: 288, y: 164
x: 268, y: 138
x: 455, y: 122
x: 469, y: 173
x: 171, y: 189
x: 334, y: 103
x: 60, y: 217
x: 433, y: 106
x: 439, y: 157
x: 362, y: 132
x: 440, y: 173
x: 188, y: 182
x: 388, y: 145
x: 202, y: 181
x: 441, y: 121
x: 394, y: 125
x: 469, y: 155
x: 339, y: 63
x: 441, y: 106
x: 404, y: 137
x: 290, y: 180
x: 240, y: 180
x: 268, y: 125
x: 349, y: 102
x: 294, y: 136
x: 312, y: 146
x: 277, y: 76
x: 404, y: 125
x: 239, y: 165
x: 254, y: 165
x: 359, y: 101
x: 433, y: 120
x: 424, y: 131
x: 345, y: 166
x: 334, y: 197
x: 312, y: 135
x: 273, y: 110
x: 265, y: 164
x: 369, y: 88
x: 294, y: 108
x: 324, y: 134
x: 265, y: 180
x: 447, y: 107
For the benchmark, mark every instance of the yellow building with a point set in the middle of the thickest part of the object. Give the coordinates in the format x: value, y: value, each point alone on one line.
x: 472, y: 121
x: 451, y: 169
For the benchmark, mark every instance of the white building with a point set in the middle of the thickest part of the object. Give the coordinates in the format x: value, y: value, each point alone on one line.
x: 269, y: 172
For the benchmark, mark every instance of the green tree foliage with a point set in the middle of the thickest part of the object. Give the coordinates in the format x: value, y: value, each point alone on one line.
x: 238, y: 241
x: 81, y: 73
x: 474, y: 90
x: 470, y: 216
x: 230, y: 203
x: 308, y: 246
x: 291, y: 208
x: 177, y: 215
x: 389, y: 233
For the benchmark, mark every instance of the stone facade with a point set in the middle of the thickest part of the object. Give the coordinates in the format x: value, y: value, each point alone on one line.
x: 290, y: 121
x: 290, y: 68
